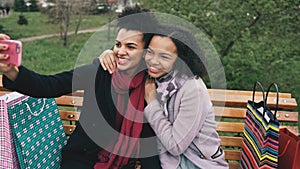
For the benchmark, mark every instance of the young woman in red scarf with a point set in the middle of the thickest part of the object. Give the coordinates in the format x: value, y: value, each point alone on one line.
x: 111, y: 124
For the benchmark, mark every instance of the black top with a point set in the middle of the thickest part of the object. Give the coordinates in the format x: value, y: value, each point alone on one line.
x: 81, y: 149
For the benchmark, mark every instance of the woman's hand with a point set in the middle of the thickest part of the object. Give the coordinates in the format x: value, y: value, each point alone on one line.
x: 108, y: 61
x: 150, y: 90
x: 4, y: 37
x: 3, y: 46
x: 8, y: 70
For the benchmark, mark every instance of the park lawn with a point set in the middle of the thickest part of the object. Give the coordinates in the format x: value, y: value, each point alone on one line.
x: 48, y: 56
x: 38, y: 24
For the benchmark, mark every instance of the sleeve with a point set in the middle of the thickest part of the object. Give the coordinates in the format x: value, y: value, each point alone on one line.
x: 192, y: 105
x: 36, y: 85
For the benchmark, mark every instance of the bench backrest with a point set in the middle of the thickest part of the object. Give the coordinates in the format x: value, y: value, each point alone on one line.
x: 230, y: 111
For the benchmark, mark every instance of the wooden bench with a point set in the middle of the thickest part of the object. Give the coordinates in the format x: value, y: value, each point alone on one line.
x: 230, y: 110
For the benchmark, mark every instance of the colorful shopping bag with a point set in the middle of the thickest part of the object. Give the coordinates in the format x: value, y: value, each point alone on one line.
x: 289, y: 150
x: 8, y: 156
x: 37, y: 130
x: 260, y: 139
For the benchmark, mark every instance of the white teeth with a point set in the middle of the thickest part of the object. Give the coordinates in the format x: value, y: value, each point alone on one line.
x: 121, y: 60
x: 153, y: 68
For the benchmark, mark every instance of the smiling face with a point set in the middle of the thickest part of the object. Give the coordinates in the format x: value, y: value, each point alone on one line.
x: 129, y: 48
x: 161, y: 56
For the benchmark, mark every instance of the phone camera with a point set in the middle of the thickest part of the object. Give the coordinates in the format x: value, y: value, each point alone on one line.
x: 18, y: 49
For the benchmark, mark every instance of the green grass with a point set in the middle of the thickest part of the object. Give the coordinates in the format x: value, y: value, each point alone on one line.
x: 48, y: 56
x: 38, y: 24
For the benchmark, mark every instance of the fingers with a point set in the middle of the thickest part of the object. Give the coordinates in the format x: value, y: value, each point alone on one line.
x: 102, y: 64
x: 4, y: 68
x: 3, y: 46
x: 10, y: 71
x: 108, y: 61
x: 150, y: 84
x: 112, y: 63
x: 4, y: 37
x: 3, y: 56
x: 150, y: 90
x: 150, y: 80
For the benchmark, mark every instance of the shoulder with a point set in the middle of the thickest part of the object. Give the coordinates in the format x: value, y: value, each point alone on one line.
x: 194, y: 88
x: 194, y: 83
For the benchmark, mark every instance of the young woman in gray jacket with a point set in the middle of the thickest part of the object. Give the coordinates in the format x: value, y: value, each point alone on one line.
x: 179, y: 107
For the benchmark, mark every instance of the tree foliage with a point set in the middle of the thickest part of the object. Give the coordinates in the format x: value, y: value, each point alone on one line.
x: 33, y: 7
x: 19, y: 6
x: 256, y: 40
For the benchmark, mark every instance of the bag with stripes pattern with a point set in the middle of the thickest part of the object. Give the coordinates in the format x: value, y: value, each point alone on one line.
x: 260, y: 139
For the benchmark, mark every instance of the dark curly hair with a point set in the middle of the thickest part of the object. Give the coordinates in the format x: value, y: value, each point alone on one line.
x: 138, y: 19
x: 192, y: 60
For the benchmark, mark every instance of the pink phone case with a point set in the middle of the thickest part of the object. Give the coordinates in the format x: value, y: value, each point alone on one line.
x: 14, y: 51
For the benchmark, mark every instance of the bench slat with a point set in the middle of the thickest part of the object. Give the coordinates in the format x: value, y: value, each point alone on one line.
x: 65, y: 100
x: 231, y: 141
x: 69, y: 115
x: 246, y: 93
x: 74, y: 101
x: 232, y: 154
x: 240, y: 113
x: 234, y: 127
x: 233, y: 165
x: 230, y: 127
x: 69, y: 129
x: 241, y: 101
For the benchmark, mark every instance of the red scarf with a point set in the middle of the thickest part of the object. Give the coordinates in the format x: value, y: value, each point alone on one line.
x: 131, y: 122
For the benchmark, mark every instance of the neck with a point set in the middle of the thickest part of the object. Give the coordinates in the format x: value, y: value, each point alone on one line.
x: 134, y: 71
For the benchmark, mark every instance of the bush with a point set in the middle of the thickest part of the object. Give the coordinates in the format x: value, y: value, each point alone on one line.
x: 22, y: 20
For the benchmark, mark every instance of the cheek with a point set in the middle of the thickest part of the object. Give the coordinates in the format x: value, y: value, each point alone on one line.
x: 167, y: 65
x: 115, y: 50
x: 138, y: 55
x: 146, y: 57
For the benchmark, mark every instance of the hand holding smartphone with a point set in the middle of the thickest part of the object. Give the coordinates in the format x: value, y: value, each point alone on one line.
x: 14, y: 51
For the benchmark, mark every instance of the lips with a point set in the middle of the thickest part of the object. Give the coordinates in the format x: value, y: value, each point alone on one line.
x: 154, y: 70
x: 122, y: 61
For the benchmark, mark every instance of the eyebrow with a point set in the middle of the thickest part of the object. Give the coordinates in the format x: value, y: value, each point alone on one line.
x: 129, y: 43
x: 161, y: 53
x: 150, y: 49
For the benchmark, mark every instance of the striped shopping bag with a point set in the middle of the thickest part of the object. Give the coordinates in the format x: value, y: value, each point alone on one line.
x: 37, y: 131
x: 260, y: 139
x: 8, y: 155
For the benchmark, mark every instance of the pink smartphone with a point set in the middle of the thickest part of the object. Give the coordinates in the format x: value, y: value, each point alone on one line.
x: 14, y: 51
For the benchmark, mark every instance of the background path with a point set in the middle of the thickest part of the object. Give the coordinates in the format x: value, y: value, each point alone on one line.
x: 57, y: 34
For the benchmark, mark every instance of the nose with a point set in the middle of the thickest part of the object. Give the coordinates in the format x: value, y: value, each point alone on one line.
x: 121, y: 51
x: 154, y: 60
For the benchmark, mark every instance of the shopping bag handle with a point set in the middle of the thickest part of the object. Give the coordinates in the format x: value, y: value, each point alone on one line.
x: 36, y: 113
x: 277, y: 96
x: 285, y: 149
x: 263, y: 93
